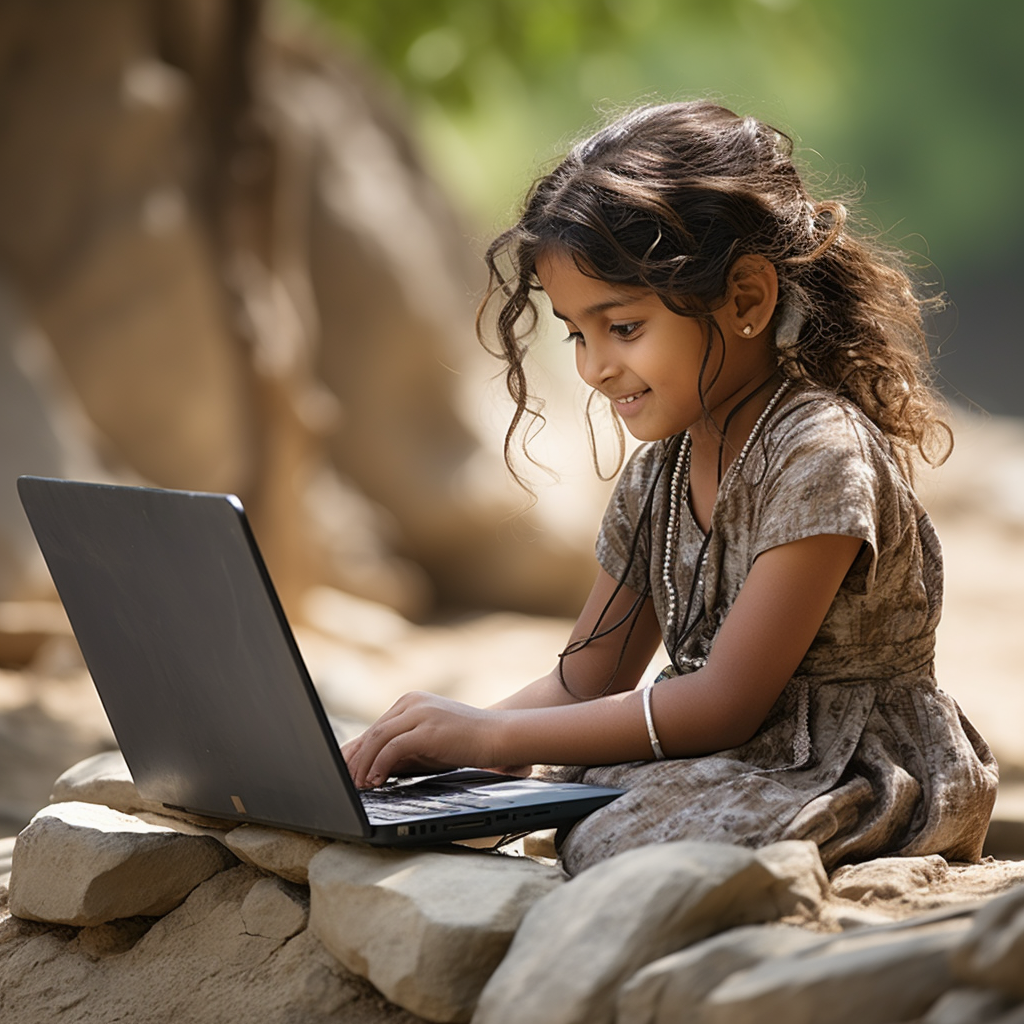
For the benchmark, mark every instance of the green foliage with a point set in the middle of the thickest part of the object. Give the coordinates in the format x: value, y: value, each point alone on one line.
x: 919, y: 98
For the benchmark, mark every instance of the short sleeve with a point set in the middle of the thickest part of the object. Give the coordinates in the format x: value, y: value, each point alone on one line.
x: 624, y: 541
x: 826, y: 473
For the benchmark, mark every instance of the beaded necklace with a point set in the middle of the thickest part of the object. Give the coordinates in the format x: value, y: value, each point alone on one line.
x: 679, y: 487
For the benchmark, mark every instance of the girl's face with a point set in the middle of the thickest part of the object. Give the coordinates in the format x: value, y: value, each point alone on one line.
x: 642, y: 356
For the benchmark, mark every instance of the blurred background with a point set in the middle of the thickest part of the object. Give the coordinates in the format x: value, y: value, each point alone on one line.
x: 239, y: 251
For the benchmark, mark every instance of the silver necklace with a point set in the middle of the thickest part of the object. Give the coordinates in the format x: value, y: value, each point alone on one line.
x: 680, y: 485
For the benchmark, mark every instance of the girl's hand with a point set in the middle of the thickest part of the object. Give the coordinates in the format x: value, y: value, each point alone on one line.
x: 423, y: 733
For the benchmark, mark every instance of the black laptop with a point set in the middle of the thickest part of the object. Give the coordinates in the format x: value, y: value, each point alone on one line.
x: 205, y: 688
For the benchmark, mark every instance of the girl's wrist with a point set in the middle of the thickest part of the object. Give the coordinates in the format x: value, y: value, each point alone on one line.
x: 501, y: 738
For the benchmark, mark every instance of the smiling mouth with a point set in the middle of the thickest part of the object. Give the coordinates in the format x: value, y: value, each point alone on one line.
x: 631, y: 398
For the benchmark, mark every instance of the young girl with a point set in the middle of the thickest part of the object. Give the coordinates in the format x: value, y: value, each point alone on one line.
x: 766, y: 533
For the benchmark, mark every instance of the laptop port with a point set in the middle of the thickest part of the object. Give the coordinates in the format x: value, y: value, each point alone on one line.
x: 458, y: 825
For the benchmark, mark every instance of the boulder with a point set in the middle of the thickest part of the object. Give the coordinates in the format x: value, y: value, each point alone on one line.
x: 210, y: 961
x: 612, y: 919
x: 672, y: 988
x: 46, y: 433
x: 882, y: 974
x: 802, y: 884
x: 276, y: 850
x: 103, y: 779
x: 84, y: 864
x: 992, y: 954
x: 427, y: 928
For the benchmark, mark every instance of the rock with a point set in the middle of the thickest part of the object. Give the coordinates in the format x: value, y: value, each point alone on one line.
x: 201, y: 964
x: 888, y: 878
x: 967, y: 1006
x: 274, y: 910
x: 612, y: 919
x: 992, y: 954
x: 103, y: 779
x: 883, y: 974
x: 45, y: 433
x: 426, y: 928
x: 901, y: 888
x: 672, y: 988
x: 83, y: 864
x: 803, y: 883
x: 284, y: 853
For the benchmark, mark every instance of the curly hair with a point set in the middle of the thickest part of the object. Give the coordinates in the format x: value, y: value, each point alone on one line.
x: 668, y: 197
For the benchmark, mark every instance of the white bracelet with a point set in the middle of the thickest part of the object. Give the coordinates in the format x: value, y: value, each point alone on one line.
x: 659, y: 754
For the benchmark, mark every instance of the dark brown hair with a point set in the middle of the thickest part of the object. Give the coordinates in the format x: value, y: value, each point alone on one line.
x: 667, y: 198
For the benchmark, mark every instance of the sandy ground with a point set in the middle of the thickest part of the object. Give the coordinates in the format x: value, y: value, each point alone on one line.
x: 362, y: 657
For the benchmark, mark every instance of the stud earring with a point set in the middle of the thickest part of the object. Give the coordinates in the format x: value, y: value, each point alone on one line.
x: 748, y: 331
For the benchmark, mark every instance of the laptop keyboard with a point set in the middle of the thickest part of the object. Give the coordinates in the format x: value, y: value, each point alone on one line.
x: 428, y: 802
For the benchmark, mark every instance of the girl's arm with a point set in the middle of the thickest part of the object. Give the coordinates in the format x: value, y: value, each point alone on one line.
x: 763, y: 639
x: 608, y: 664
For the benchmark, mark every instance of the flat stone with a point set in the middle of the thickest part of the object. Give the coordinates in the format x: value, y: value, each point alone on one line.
x: 276, y: 850
x: 888, y: 974
x: 274, y: 909
x: 992, y: 954
x: 103, y: 779
x: 666, y: 989
x: 84, y: 864
x: 577, y: 946
x: 426, y: 928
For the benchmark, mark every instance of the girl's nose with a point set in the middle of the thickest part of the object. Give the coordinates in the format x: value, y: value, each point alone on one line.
x: 595, y: 364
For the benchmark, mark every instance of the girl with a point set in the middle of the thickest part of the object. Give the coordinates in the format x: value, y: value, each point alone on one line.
x: 766, y: 533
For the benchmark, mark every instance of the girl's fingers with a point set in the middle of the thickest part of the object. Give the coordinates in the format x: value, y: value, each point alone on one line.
x: 359, y: 753
x: 421, y: 732
x: 383, y: 747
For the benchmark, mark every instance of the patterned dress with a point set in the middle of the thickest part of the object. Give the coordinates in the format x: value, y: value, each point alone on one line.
x: 862, y: 753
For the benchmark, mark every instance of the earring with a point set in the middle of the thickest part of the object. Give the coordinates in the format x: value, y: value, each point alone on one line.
x: 748, y: 331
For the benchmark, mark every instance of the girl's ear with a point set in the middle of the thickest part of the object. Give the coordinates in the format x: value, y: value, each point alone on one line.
x: 753, y: 291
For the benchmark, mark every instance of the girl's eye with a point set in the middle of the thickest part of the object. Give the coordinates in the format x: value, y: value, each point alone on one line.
x: 626, y: 330
x: 573, y: 338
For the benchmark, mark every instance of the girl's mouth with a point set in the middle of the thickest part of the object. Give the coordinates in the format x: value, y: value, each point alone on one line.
x: 629, y: 399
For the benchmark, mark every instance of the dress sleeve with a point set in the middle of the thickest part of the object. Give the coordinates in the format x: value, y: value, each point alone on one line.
x: 624, y: 542
x: 828, y: 473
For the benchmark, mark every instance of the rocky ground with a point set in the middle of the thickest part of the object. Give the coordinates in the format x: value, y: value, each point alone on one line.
x: 116, y: 912
x: 891, y: 940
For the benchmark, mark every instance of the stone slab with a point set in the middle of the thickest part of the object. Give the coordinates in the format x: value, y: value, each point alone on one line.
x: 85, y: 864
x: 426, y: 928
x: 605, y: 924
x: 279, y: 851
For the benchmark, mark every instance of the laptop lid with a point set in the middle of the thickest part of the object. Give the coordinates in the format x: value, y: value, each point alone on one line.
x: 191, y: 654
x: 204, y: 685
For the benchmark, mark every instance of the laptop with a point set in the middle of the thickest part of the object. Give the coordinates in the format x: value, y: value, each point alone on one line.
x: 205, y: 688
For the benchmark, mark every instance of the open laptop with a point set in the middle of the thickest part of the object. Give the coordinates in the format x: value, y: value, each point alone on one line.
x: 206, y: 691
